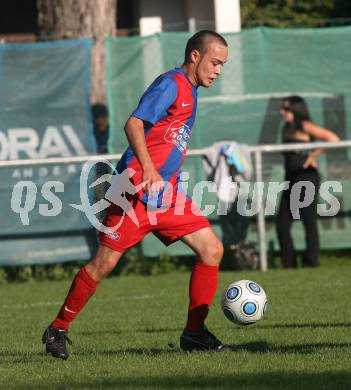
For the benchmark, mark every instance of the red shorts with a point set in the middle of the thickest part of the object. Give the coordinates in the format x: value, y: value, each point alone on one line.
x: 165, y: 224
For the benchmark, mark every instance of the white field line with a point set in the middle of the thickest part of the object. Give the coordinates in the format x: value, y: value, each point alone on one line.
x: 100, y: 300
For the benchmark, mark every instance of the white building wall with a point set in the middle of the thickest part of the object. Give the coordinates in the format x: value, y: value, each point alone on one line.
x: 172, y: 13
x: 220, y: 15
x: 227, y: 15
x: 202, y: 11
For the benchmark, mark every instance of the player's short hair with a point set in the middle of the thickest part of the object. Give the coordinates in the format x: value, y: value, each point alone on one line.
x: 198, y: 42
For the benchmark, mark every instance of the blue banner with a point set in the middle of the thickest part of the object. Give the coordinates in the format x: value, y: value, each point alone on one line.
x: 44, y: 112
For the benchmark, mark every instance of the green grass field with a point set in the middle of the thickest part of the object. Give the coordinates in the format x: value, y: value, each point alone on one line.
x: 128, y: 335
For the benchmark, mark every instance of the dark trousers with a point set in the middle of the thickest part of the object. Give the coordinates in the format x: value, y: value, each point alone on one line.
x: 309, y: 219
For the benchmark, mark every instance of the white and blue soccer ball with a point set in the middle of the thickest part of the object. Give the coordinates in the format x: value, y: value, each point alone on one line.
x: 244, y: 302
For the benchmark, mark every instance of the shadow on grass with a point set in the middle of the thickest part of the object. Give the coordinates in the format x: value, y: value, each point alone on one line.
x: 99, y: 332
x: 159, y: 330
x: 140, y: 330
x: 253, y: 347
x: 262, y: 346
x: 312, y: 325
x: 179, y: 329
x: 278, y: 380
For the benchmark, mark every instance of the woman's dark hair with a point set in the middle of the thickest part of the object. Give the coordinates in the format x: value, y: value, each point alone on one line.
x: 298, y: 106
x: 198, y: 42
x: 99, y: 110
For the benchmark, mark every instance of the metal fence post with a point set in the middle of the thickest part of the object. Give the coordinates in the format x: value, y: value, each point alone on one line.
x: 260, y: 215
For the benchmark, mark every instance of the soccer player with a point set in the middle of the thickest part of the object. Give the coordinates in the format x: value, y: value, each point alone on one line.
x: 158, y: 132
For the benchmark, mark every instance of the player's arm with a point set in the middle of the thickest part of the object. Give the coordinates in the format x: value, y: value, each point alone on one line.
x: 134, y: 129
x: 153, y: 106
x: 320, y: 133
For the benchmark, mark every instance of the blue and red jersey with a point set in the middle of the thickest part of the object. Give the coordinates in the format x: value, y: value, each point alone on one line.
x: 168, y: 109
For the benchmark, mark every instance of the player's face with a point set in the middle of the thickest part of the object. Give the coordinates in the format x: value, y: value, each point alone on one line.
x: 286, y: 113
x: 208, y: 65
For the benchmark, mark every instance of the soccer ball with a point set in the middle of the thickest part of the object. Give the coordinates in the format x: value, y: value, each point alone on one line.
x: 244, y: 302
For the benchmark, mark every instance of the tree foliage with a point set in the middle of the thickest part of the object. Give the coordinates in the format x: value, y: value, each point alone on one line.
x: 295, y: 13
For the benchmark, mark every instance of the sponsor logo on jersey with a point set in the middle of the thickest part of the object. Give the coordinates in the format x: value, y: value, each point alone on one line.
x: 178, y: 133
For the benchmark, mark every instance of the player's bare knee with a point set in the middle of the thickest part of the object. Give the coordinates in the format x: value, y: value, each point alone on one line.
x: 103, y: 263
x: 107, y: 266
x: 219, y: 250
x: 212, y: 254
x: 98, y: 270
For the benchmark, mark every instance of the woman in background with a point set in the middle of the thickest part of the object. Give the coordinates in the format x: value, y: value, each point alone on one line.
x: 300, y: 166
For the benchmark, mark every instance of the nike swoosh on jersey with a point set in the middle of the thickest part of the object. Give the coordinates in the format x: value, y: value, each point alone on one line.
x: 185, y: 104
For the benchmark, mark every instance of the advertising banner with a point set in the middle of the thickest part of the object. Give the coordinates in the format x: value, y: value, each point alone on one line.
x: 44, y: 112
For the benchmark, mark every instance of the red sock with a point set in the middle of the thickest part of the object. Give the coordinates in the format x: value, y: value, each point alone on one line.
x: 82, y: 288
x: 202, y: 288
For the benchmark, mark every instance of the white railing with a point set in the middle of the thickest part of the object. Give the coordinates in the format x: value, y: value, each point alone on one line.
x: 256, y: 150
